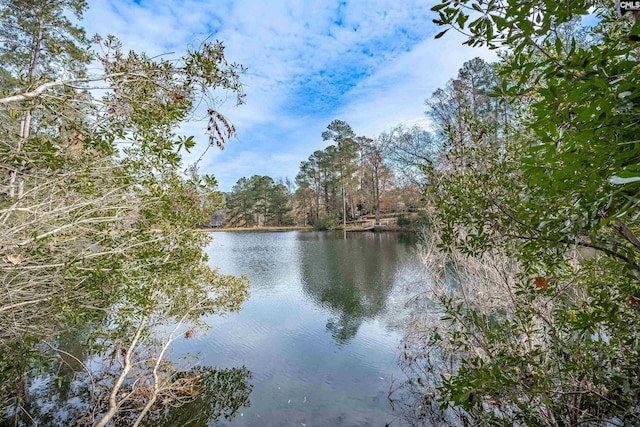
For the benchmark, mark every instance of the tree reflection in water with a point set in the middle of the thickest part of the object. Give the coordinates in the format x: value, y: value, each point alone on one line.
x: 66, y: 398
x: 351, y: 280
x: 71, y: 380
x: 221, y: 394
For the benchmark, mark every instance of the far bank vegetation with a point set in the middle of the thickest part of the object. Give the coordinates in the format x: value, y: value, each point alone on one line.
x: 355, y: 181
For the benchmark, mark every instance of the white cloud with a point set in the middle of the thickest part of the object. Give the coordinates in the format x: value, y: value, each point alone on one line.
x: 370, y: 62
x: 396, y: 93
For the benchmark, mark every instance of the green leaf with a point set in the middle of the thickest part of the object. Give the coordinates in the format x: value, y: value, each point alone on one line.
x: 440, y: 6
x: 442, y: 33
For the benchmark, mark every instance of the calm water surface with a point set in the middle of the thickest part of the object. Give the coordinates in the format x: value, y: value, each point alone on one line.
x: 320, y: 330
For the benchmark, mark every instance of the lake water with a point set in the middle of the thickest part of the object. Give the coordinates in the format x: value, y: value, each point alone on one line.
x: 321, y: 329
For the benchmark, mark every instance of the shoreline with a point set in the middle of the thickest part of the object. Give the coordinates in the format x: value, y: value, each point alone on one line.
x: 300, y: 228
x: 253, y: 229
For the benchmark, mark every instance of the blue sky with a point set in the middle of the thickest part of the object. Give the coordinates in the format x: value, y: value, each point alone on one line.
x: 371, y: 63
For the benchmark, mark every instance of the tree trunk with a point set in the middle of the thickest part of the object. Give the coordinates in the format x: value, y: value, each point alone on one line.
x: 113, y: 403
x: 344, y: 210
x: 376, y: 196
x: 25, y: 125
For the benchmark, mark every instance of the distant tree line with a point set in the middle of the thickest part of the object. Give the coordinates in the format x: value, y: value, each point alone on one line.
x: 259, y: 201
x: 353, y: 177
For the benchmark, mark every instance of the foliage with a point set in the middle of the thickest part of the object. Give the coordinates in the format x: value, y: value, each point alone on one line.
x: 499, y: 350
x: 355, y: 176
x: 325, y: 223
x: 403, y: 221
x: 416, y: 222
x: 556, y: 190
x: 326, y: 181
x: 97, y: 216
x: 581, y: 151
x: 258, y: 201
x: 39, y: 41
x: 406, y: 150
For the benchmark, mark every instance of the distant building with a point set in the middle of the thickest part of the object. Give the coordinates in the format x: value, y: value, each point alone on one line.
x: 217, y: 219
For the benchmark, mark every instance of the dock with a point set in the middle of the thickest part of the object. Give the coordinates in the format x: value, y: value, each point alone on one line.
x: 372, y: 226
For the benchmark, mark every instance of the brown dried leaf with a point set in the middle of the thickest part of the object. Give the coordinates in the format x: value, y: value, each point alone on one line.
x: 540, y: 283
x: 14, y: 259
x: 633, y: 300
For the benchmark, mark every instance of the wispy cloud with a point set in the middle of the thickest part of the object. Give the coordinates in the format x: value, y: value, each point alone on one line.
x: 395, y: 94
x: 370, y: 62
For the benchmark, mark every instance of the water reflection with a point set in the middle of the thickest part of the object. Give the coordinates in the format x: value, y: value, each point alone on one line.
x: 70, y: 379
x: 222, y: 393
x: 318, y: 337
x: 351, y: 277
x: 271, y: 257
x: 321, y: 328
